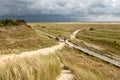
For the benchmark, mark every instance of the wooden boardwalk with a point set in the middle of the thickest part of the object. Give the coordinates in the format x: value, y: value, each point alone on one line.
x: 89, y: 52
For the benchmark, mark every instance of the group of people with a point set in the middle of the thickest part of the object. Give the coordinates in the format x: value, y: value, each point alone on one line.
x: 61, y: 40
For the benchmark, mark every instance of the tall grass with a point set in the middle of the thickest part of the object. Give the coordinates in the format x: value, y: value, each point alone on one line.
x: 105, y: 37
x: 86, y: 67
x: 59, y: 30
x: 37, y: 67
x: 16, y: 39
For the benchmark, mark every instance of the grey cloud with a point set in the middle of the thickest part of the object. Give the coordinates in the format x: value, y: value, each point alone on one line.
x: 79, y: 9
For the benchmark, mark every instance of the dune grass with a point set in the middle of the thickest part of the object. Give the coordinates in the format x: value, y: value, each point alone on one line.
x: 87, y: 67
x: 16, y: 39
x: 105, y: 36
x: 59, y: 30
x: 47, y: 67
x: 37, y: 67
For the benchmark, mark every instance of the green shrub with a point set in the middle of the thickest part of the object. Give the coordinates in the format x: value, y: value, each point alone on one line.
x: 91, y: 29
x: 10, y: 22
x: 43, y: 27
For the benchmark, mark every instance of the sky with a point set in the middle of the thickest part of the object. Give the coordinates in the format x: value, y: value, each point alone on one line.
x: 61, y: 10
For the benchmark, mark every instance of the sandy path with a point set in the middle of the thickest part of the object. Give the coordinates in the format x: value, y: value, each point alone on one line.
x: 91, y: 45
x: 107, y: 59
x: 44, y: 51
x: 72, y: 36
x: 67, y: 74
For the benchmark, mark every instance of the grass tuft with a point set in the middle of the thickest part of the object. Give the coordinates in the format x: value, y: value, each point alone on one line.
x: 86, y: 67
x: 37, y: 67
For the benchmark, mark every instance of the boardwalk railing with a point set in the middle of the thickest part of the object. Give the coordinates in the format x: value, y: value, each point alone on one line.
x: 89, y: 52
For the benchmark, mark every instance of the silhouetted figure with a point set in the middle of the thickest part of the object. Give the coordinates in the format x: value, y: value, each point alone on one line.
x: 57, y: 39
x: 65, y: 39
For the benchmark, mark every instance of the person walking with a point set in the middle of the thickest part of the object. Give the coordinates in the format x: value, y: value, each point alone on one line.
x: 65, y: 40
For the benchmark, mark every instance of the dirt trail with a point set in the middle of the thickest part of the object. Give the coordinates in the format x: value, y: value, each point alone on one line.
x: 44, y: 51
x: 91, y: 45
x: 72, y: 36
x: 107, y: 59
x: 65, y: 73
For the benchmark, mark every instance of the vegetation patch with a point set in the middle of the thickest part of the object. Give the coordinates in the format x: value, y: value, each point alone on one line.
x: 91, y: 29
x: 12, y: 22
x: 16, y: 39
x: 59, y: 30
x: 105, y: 36
x: 36, y: 67
x: 87, y: 67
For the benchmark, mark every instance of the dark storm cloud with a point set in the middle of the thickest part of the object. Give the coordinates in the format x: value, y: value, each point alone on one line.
x: 61, y: 9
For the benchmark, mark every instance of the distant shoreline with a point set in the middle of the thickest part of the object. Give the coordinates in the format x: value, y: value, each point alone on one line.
x: 89, y: 22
